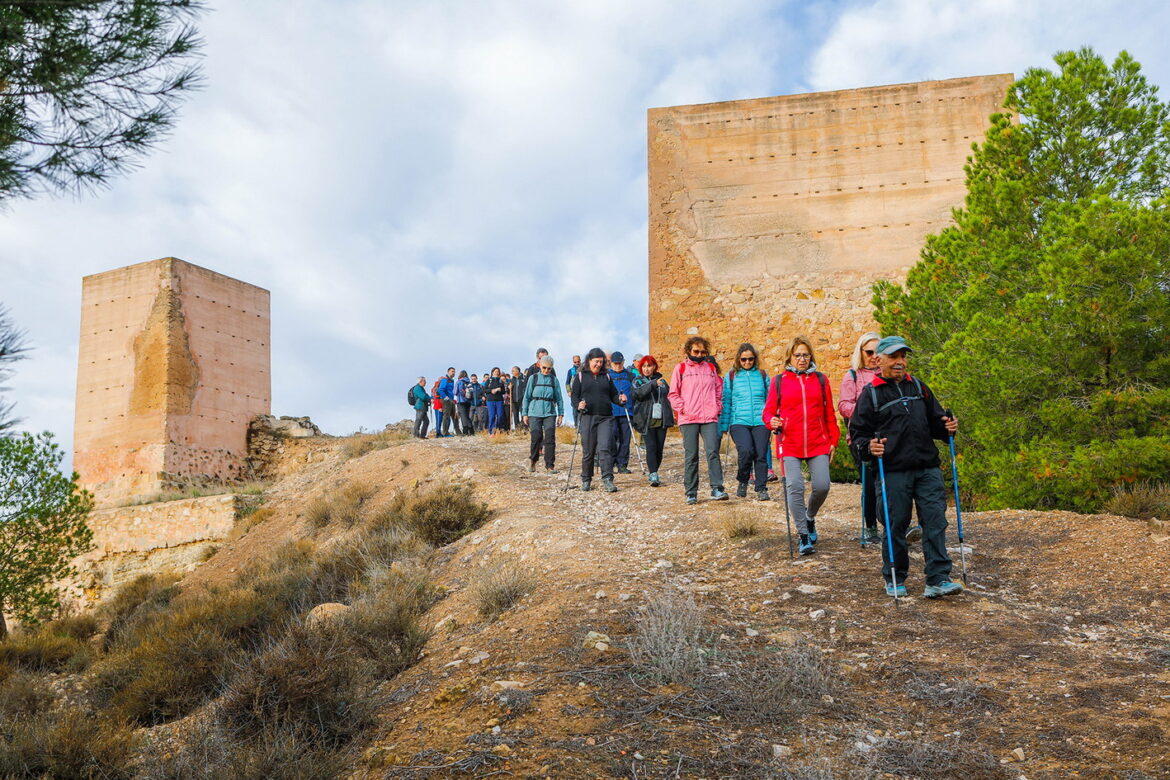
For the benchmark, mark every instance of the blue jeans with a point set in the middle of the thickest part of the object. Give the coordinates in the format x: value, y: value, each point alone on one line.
x: 495, y: 415
x: 621, y: 442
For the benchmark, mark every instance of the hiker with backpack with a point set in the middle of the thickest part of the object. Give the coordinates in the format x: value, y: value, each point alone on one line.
x: 448, y: 394
x: 420, y: 400
x: 463, y: 403
x: 895, y: 422
x: 696, y: 396
x: 652, y: 413
x: 623, y: 380
x: 543, y: 409
x: 478, y: 406
x: 494, y: 390
x: 593, y: 396
x: 863, y: 368
x: 800, y: 410
x: 516, y: 393
x: 745, y: 392
x: 573, y: 370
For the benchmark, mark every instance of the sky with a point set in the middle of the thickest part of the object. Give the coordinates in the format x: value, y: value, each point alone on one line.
x: 431, y: 183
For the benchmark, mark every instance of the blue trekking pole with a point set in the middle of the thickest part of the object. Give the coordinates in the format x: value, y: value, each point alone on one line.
x: 889, y: 533
x: 863, y: 542
x: 958, y: 510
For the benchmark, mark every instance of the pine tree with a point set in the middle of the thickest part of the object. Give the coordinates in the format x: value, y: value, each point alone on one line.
x: 87, y: 86
x: 1043, y: 314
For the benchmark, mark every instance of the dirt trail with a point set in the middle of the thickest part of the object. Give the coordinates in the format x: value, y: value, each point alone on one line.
x: 1059, y: 649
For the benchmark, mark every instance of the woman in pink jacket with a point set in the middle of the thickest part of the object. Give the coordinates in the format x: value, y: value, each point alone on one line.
x: 696, y: 396
x: 864, y: 367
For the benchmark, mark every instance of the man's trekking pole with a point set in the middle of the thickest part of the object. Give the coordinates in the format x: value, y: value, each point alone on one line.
x: 863, y: 526
x: 784, y: 490
x: 572, y: 458
x: 634, y: 444
x: 958, y: 509
x: 889, y: 533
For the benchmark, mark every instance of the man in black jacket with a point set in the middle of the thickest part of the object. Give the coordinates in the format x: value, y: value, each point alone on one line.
x: 897, y: 419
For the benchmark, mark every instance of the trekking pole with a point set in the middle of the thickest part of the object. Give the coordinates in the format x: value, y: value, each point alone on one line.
x: 572, y: 459
x: 634, y: 444
x: 958, y: 509
x: 889, y: 533
x: 784, y: 490
x: 863, y: 526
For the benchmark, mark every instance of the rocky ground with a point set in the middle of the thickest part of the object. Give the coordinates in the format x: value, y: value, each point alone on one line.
x: 1054, y: 663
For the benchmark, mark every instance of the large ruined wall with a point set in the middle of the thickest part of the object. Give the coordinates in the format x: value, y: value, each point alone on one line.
x: 173, y: 363
x: 773, y: 217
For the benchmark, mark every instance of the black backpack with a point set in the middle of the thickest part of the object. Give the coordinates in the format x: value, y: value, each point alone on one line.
x: 410, y: 399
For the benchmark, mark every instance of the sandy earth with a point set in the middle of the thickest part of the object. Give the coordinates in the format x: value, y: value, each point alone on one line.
x: 1059, y: 650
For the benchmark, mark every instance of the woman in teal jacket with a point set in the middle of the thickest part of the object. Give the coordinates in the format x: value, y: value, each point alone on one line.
x: 745, y: 391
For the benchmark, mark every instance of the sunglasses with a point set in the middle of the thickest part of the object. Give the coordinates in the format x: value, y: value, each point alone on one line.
x: 698, y: 352
x: 869, y: 352
x: 747, y: 360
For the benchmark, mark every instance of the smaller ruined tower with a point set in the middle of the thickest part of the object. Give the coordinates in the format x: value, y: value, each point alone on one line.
x: 174, y: 360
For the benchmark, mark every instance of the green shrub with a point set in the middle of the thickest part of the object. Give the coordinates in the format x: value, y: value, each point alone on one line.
x: 438, y: 516
x: 76, y: 626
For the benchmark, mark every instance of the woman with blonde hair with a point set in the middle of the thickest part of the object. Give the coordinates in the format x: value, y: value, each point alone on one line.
x: 800, y: 410
x: 863, y: 368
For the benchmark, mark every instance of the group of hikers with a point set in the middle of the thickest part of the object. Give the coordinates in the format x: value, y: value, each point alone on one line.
x: 891, y: 421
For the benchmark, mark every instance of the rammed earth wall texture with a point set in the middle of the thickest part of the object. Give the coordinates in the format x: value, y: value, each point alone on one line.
x: 773, y: 217
x: 173, y: 363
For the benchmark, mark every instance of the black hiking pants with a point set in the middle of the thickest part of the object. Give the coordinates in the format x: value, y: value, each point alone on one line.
x: 924, y: 489
x: 751, y: 444
x: 655, y: 439
x: 543, y: 433
x: 596, y: 444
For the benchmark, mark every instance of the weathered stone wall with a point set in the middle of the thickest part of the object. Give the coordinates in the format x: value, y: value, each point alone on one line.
x: 773, y: 217
x: 173, y: 363
x: 148, y: 539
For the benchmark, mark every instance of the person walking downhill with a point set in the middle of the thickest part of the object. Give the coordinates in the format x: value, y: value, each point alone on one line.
x: 463, y: 403
x: 543, y: 410
x: 623, y: 380
x: 863, y: 368
x: 896, y: 420
x: 421, y: 400
x: 448, y: 397
x: 593, y: 395
x: 745, y: 392
x: 516, y: 392
x: 652, y: 413
x: 696, y: 395
x: 800, y: 410
x: 494, y: 391
x: 573, y: 371
x: 437, y: 404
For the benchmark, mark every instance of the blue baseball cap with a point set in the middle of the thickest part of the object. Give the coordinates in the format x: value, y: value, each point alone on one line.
x: 617, y: 357
x: 891, y: 344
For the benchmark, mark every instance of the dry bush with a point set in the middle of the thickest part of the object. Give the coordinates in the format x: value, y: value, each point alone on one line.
x: 44, y: 650
x: 950, y: 758
x: 212, y: 753
x: 1142, y: 500
x: 343, y: 506
x: 496, y: 468
x: 81, y: 626
x: 566, y: 435
x: 23, y: 695
x: 72, y: 744
x: 952, y: 694
x: 363, y: 444
x: 495, y: 589
x: 438, y: 516
x: 738, y: 524
x: 386, y: 626
x: 772, y: 686
x: 136, y: 601
x: 246, y: 522
x: 672, y: 639
x: 309, y: 685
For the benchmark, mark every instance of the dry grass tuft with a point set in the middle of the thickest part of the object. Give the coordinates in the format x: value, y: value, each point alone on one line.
x: 438, y: 516
x: 343, y: 506
x: 566, y: 435
x: 672, y: 639
x: 496, y: 468
x: 138, y: 600
x: 496, y: 589
x: 43, y: 649
x: 249, y: 521
x: 363, y: 444
x: 1142, y: 500
x: 952, y: 757
x: 67, y: 744
x: 738, y: 524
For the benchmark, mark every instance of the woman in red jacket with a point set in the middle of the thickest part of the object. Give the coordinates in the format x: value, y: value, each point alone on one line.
x: 437, y: 405
x: 800, y: 410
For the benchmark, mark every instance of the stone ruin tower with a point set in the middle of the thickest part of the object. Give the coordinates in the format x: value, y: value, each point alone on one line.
x: 773, y: 217
x: 173, y: 363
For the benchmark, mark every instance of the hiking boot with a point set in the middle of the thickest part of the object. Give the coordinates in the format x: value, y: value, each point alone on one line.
x: 551, y: 470
x: 899, y: 591
x: 607, y: 483
x: 762, y: 495
x: 914, y: 534
x: 586, y: 485
x: 812, y: 530
x: 718, y: 494
x: 692, y: 499
x: 870, y: 535
x: 623, y: 469
x: 944, y: 588
x: 654, y: 480
x: 531, y: 466
x: 772, y: 476
x: 741, y: 490
x: 806, y: 545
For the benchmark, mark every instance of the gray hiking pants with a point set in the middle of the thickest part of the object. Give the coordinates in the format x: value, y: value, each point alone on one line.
x: 818, y: 471
x: 691, y: 432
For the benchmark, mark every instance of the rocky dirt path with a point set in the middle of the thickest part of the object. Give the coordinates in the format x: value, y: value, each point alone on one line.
x: 1055, y: 662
